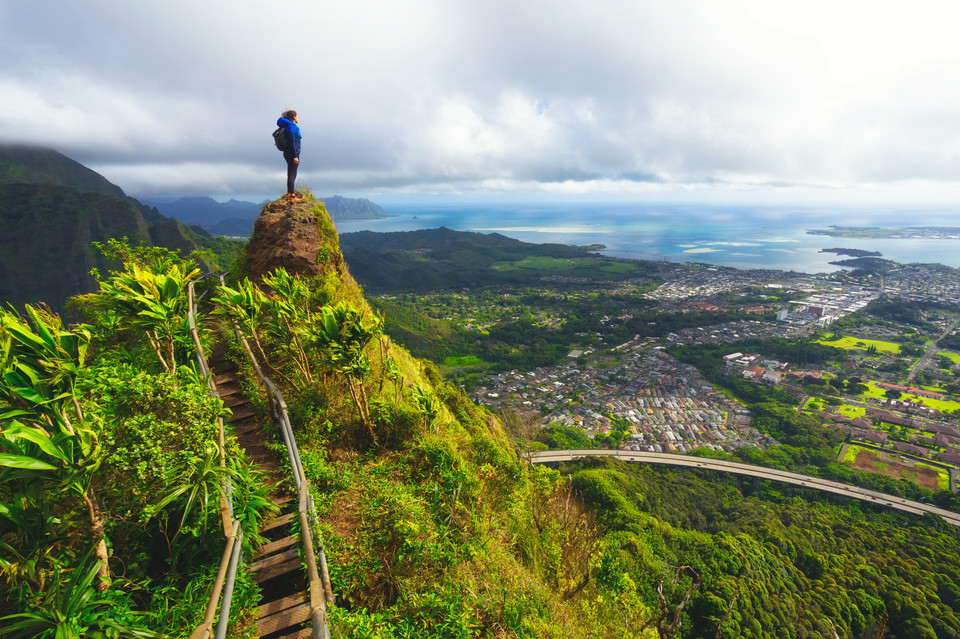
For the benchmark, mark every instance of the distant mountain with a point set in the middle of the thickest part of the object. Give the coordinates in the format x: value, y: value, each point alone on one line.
x: 46, y: 228
x: 35, y: 165
x: 205, y: 211
x: 236, y: 218
x: 345, y: 208
x: 232, y: 227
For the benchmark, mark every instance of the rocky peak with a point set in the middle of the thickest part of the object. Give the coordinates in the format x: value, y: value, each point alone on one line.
x: 297, y: 236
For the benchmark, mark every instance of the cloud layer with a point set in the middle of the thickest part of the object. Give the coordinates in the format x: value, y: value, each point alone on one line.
x: 458, y: 96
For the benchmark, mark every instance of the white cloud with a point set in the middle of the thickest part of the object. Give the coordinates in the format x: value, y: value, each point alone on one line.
x: 686, y: 99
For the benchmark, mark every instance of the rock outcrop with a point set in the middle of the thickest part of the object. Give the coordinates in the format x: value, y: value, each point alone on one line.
x: 297, y: 236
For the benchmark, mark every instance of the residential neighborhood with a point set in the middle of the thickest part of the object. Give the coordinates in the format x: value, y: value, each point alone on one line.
x: 668, y: 405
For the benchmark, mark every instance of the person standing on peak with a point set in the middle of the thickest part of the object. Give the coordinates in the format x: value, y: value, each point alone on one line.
x: 288, y: 121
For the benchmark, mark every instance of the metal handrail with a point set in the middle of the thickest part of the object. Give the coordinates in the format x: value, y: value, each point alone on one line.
x: 228, y: 566
x: 321, y: 592
x: 229, y: 562
x: 227, y: 508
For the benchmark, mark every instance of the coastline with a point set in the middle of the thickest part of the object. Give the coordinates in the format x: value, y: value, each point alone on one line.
x: 739, y: 238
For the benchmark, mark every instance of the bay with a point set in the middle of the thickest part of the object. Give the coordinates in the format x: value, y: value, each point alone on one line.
x: 771, y: 237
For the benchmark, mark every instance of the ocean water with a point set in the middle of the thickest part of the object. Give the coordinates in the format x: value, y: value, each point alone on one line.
x: 738, y: 236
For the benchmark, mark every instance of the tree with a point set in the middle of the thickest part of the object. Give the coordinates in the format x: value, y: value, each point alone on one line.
x: 46, y: 439
x: 668, y: 621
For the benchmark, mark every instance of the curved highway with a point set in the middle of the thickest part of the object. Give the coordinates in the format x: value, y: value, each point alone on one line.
x: 872, y: 496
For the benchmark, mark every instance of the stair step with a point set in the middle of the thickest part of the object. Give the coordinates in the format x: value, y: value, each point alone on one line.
x: 268, y: 466
x: 233, y: 401
x: 223, y: 367
x: 260, y: 456
x: 274, y: 560
x: 255, y: 450
x: 242, y: 412
x: 284, y: 619
x: 229, y: 389
x: 224, y: 377
x: 284, y: 499
x: 282, y: 520
x: 289, y: 569
x: 275, y: 546
x: 281, y: 605
x: 246, y: 424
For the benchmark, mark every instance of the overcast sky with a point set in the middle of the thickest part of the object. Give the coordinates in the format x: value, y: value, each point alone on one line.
x: 838, y: 101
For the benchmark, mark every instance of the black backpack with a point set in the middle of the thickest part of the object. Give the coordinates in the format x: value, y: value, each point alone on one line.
x: 280, y: 138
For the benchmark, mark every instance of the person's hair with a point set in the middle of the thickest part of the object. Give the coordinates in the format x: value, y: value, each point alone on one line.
x: 291, y: 114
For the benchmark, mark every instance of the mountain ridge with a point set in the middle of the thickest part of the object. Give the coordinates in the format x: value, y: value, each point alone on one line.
x: 39, y: 165
x: 52, y: 208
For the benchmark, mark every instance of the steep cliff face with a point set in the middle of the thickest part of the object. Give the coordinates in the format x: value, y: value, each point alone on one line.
x: 296, y: 236
x: 52, y: 208
x: 45, y: 236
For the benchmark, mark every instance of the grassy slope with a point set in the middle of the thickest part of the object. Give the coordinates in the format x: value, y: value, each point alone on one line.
x: 35, y: 165
x: 428, y: 527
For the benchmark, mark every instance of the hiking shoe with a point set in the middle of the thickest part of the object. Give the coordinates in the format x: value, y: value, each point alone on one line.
x: 293, y: 197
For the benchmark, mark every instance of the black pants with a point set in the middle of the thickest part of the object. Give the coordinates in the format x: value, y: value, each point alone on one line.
x: 291, y: 173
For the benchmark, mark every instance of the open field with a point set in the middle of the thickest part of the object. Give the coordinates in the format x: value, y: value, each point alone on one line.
x: 877, y: 462
x: 851, y: 411
x: 849, y: 343
x: 564, y: 265
x: 873, y: 391
x: 953, y: 357
x: 464, y: 360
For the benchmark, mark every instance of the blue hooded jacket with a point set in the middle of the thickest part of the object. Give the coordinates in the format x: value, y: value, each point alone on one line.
x: 293, y: 136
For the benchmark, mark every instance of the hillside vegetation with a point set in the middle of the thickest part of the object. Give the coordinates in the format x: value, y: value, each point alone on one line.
x: 52, y: 209
x: 35, y: 165
x: 112, y: 473
x: 433, y: 526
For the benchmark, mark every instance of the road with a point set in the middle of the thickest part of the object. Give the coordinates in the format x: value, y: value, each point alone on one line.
x: 872, y: 496
x: 933, y: 350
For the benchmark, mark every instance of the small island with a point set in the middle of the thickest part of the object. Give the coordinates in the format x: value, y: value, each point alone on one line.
x: 852, y: 252
x: 866, y: 263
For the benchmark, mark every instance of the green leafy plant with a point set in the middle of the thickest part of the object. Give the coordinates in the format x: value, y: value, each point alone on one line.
x: 150, y: 299
x: 428, y: 404
x: 341, y: 335
x: 202, y: 485
x: 46, y: 440
x: 70, y: 608
x: 251, y: 500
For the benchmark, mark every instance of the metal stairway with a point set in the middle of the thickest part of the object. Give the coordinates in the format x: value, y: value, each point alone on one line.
x: 285, y: 608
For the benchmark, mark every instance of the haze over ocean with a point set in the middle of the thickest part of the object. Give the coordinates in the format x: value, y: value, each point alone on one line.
x: 738, y: 236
